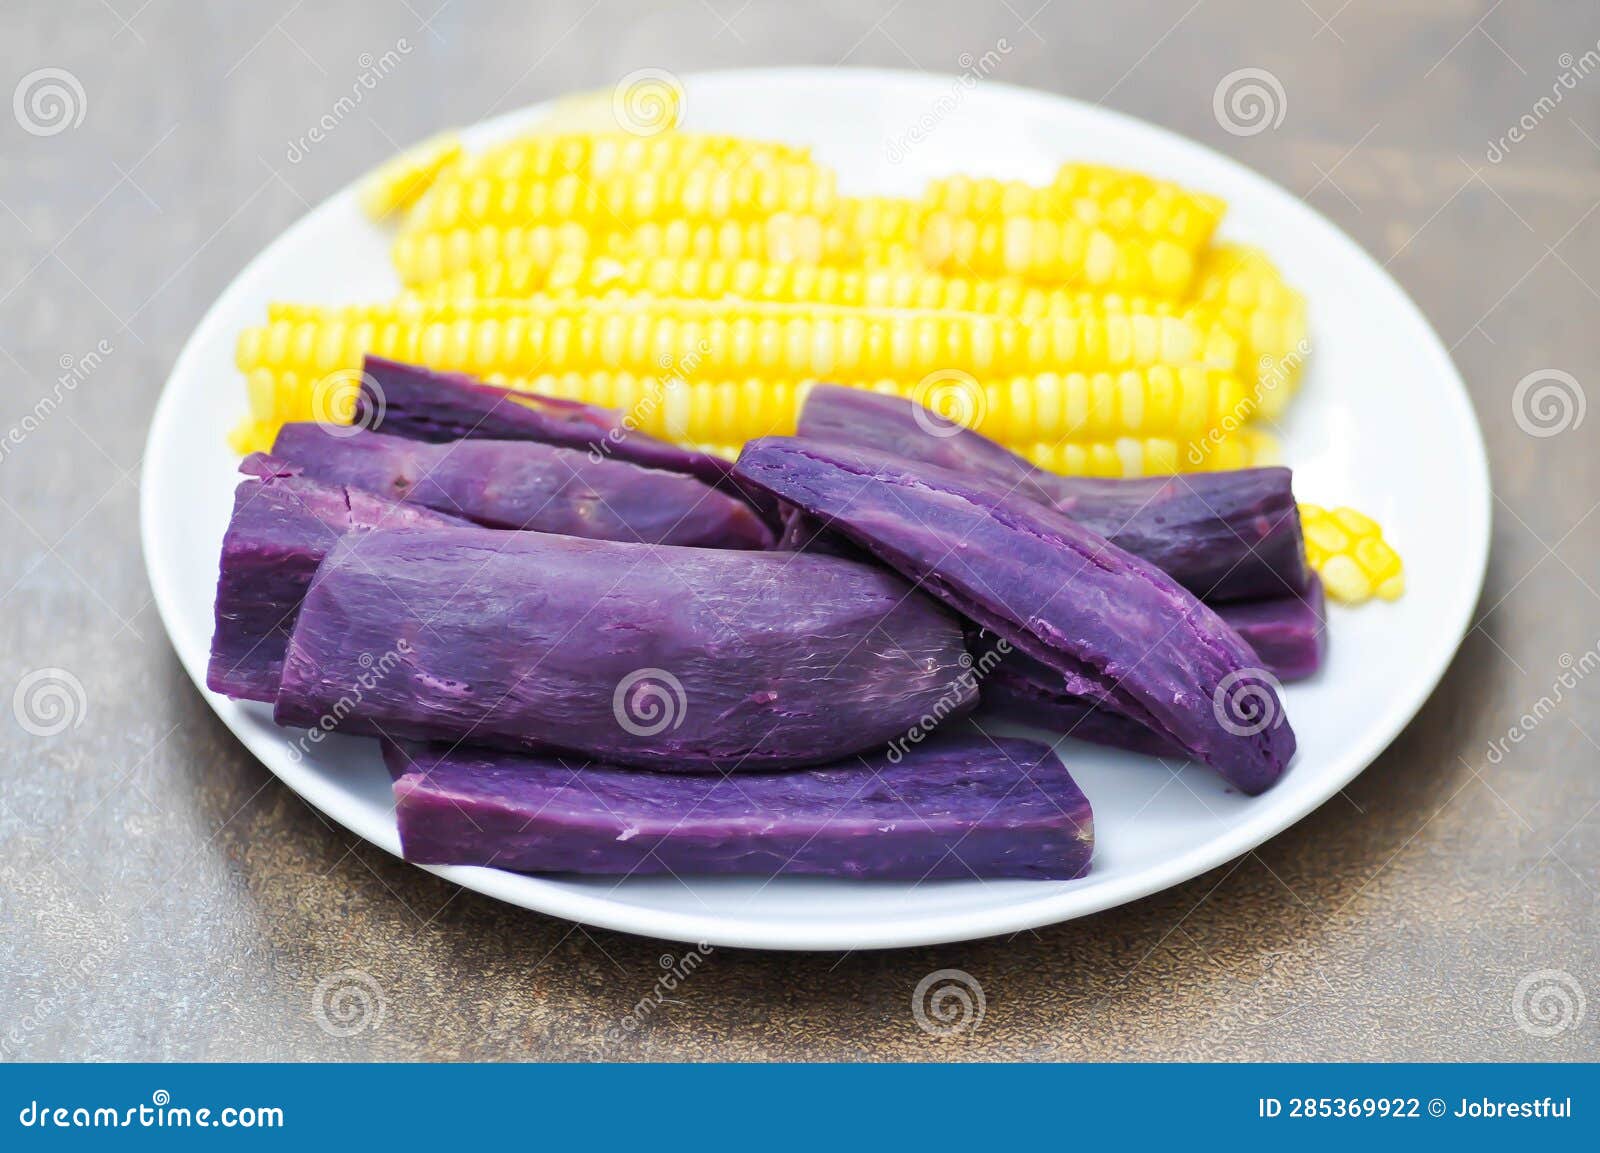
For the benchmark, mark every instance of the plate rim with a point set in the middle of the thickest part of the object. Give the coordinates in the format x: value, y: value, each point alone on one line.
x: 550, y: 897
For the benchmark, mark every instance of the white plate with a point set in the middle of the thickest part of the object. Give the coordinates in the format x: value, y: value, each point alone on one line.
x: 1382, y: 423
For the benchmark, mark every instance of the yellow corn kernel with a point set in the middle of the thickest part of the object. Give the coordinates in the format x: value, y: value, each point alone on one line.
x: 603, y: 153
x: 1049, y: 251
x: 398, y: 183
x: 1243, y: 291
x: 737, y: 338
x: 1348, y: 550
x: 704, y: 192
x: 425, y: 257
x: 1142, y: 456
x: 1117, y: 200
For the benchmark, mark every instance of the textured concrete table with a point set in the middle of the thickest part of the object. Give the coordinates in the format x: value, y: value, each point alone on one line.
x: 162, y: 896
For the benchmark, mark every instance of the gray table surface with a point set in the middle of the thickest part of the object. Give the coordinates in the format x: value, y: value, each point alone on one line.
x: 162, y: 896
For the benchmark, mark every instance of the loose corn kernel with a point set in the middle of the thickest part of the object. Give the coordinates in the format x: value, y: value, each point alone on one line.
x: 1348, y: 550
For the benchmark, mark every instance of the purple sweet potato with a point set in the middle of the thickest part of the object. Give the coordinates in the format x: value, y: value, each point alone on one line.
x: 1015, y: 696
x: 1222, y: 535
x: 282, y: 527
x: 650, y: 655
x: 957, y: 806
x: 1289, y: 634
x: 419, y: 404
x: 526, y: 485
x: 1117, y: 630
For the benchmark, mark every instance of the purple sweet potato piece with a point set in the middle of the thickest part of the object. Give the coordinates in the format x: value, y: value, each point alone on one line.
x: 419, y: 404
x: 1222, y: 535
x: 1289, y: 634
x: 637, y: 654
x: 1225, y: 536
x: 957, y: 806
x: 282, y: 527
x: 527, y: 485
x: 1011, y: 694
x: 900, y: 427
x: 1116, y: 629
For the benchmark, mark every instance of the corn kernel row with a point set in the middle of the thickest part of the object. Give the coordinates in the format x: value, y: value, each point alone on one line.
x: 701, y: 192
x: 730, y: 337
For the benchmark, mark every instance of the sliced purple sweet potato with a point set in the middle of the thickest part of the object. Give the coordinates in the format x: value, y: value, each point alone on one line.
x: 956, y: 806
x: 650, y: 655
x: 282, y: 527
x: 417, y: 403
x: 1222, y: 535
x: 1287, y: 634
x: 1117, y: 630
x: 527, y: 485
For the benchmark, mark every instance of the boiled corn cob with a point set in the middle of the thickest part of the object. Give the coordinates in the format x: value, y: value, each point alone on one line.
x: 1055, y: 251
x: 1244, y: 291
x: 736, y: 336
x: 1111, y: 198
x: 1179, y: 334
x: 596, y: 155
x: 427, y: 256
x: 698, y: 192
x: 1060, y: 377
x: 1348, y: 550
x: 397, y: 184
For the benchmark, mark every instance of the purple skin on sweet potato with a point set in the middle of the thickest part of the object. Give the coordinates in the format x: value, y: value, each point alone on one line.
x: 1223, y: 535
x: 955, y: 806
x: 649, y: 655
x: 1116, y: 629
x: 419, y: 404
x: 282, y: 527
x: 1288, y: 636
x: 526, y: 485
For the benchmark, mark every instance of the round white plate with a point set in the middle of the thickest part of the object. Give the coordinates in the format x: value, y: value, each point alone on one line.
x: 1378, y: 377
